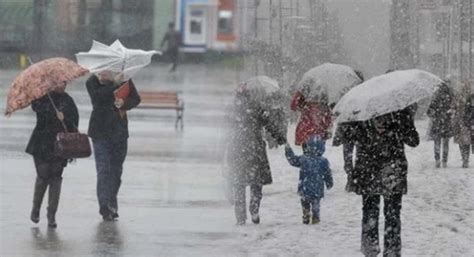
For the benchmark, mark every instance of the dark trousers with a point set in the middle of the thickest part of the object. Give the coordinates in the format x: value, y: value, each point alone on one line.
x: 392, y: 233
x: 311, y: 205
x: 465, y: 151
x: 109, y: 157
x: 437, y: 148
x: 173, y: 55
x: 347, y: 151
x: 240, y: 201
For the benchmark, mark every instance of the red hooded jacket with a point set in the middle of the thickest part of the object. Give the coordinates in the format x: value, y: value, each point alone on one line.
x: 315, y: 119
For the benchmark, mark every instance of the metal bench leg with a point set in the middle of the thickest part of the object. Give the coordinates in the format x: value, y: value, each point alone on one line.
x: 179, y: 120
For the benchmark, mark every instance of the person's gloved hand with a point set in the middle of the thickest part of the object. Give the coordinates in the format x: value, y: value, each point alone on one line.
x: 119, y: 103
x: 328, y: 134
x: 281, y: 140
x: 329, y: 185
x: 348, y: 168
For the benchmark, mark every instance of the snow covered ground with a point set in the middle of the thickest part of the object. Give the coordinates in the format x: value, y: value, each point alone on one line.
x: 172, y: 204
x: 437, y: 212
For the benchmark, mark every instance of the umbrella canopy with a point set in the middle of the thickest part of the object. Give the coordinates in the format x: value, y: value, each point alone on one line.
x: 385, y: 94
x: 40, y: 78
x: 260, y: 88
x: 115, y: 57
x: 328, y: 79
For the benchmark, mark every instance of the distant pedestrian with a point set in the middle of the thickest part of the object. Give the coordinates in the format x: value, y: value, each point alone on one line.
x: 173, y: 38
x: 49, y: 167
x: 471, y: 111
x: 440, y: 113
x: 315, y: 173
x: 462, y: 122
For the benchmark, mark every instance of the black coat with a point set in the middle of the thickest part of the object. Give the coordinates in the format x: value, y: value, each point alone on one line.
x: 106, y: 121
x: 440, y: 113
x: 344, y: 131
x: 42, y: 140
x: 381, y: 166
x: 470, y: 116
x: 247, y: 154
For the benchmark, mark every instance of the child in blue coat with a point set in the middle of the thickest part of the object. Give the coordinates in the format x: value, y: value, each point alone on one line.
x: 314, y: 174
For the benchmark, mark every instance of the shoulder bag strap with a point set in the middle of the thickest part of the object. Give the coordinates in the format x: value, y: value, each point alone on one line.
x: 57, y: 111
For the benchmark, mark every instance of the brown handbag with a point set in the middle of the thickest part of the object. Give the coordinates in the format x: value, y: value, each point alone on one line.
x: 70, y: 145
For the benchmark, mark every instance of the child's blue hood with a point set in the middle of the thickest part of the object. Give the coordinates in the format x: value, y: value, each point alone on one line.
x: 316, y: 146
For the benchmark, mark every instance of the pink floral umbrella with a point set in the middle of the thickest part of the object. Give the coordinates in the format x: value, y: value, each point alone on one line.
x: 39, y: 79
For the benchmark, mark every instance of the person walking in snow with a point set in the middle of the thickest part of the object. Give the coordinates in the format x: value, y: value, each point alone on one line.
x: 315, y: 173
x: 471, y: 111
x: 462, y: 122
x: 380, y: 171
x: 247, y: 154
x: 440, y: 112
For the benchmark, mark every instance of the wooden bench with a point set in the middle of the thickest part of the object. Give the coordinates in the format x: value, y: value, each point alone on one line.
x: 168, y: 100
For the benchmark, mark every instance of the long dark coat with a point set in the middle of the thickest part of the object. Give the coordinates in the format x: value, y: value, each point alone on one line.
x: 42, y: 139
x: 470, y: 117
x: 247, y: 155
x: 381, y: 165
x: 106, y: 121
x: 440, y: 113
x: 462, y: 118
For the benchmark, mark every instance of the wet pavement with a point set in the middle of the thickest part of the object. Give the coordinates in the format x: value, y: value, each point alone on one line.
x: 171, y: 200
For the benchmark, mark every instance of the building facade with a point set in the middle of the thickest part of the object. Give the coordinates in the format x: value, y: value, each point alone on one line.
x: 444, y: 35
x: 67, y: 26
x: 208, y: 25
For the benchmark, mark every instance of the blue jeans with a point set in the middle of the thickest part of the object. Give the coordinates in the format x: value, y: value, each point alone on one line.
x: 311, y: 205
x: 109, y: 157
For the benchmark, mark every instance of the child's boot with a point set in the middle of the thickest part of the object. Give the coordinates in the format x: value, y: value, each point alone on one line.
x: 306, y: 216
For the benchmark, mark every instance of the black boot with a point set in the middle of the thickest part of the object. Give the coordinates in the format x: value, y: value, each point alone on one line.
x: 255, y: 218
x: 40, y: 189
x: 53, y: 200
x: 306, y: 216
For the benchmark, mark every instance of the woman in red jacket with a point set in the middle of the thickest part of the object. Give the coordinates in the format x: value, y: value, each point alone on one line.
x: 315, y: 118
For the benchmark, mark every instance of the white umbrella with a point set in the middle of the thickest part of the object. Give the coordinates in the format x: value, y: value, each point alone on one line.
x: 329, y: 79
x: 115, y: 57
x: 260, y: 88
x: 385, y: 94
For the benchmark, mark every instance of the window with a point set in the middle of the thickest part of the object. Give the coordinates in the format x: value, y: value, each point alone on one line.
x: 196, y: 27
x: 225, y: 25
